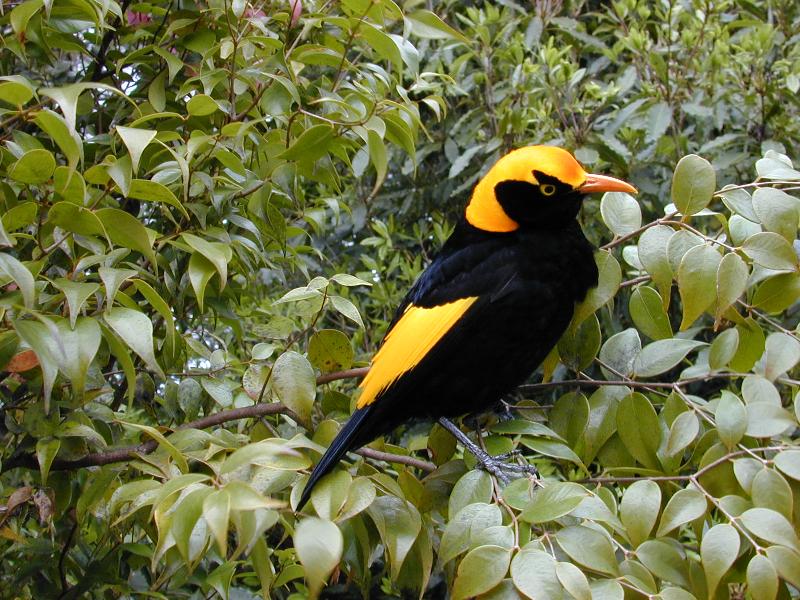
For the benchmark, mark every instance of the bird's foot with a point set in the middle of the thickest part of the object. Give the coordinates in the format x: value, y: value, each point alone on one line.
x: 503, y: 470
x: 495, y: 465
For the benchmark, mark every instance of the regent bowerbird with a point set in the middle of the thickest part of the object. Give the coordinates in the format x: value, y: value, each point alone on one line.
x: 488, y: 309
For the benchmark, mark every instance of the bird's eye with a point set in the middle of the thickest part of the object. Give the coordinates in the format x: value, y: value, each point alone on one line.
x: 548, y: 189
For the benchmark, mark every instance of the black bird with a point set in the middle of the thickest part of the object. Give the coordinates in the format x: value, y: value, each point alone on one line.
x: 490, y: 306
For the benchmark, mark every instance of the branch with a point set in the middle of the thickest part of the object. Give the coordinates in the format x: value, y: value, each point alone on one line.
x: 105, y: 43
x: 127, y: 453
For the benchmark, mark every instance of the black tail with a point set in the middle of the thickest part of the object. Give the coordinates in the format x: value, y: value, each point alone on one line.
x: 342, y: 443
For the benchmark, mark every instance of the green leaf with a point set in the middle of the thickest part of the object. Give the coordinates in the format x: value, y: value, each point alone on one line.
x: 121, y: 173
x: 312, y: 144
x: 152, y: 191
x: 17, y: 271
x: 330, y: 350
x: 40, y: 338
x: 425, y: 24
x: 200, y: 271
x: 123, y: 357
x: 216, y: 253
x: 112, y: 280
x: 620, y: 212
x: 466, y: 525
x: 46, y: 452
x: 619, y: 353
x: 574, y: 581
x: 731, y: 419
x: 534, y: 573
x: 127, y: 231
x: 607, y: 589
x: 201, y: 105
x: 786, y: 562
x: 76, y: 295
x: 685, y: 506
x: 480, y: 570
x: 781, y: 354
x: 693, y: 184
x: 378, y: 157
x: 474, y: 486
x: 762, y: 578
x: 662, y: 355
x: 777, y: 293
x: 751, y: 345
x: 75, y: 219
x: 652, y: 252
x: 294, y: 383
x: 176, y: 455
x: 399, y: 524
x: 771, y: 526
x: 723, y: 349
x: 67, y: 98
x: 732, y: 277
x: 187, y: 513
x: 639, y: 510
x: 67, y: 140
x: 216, y: 514
x: 136, y: 330
x: 589, y: 547
x: 638, y: 427
x: 697, y: 277
x: 578, y: 346
x: 349, y: 280
x: 33, y: 167
x: 770, y: 250
x: 22, y: 13
x: 346, y: 308
x: 331, y: 493
x: 770, y: 490
x: 648, y: 314
x: 683, y: 431
x: 159, y: 304
x: 777, y: 211
x: 245, y: 498
x: 738, y: 200
x: 553, y: 501
x: 718, y: 551
x: 78, y: 347
x: 664, y: 561
x: 220, y: 391
x: 609, y: 279
x: 767, y: 420
x: 136, y: 140
x: 788, y: 461
x: 383, y: 45
x: 16, y: 90
x: 319, y: 545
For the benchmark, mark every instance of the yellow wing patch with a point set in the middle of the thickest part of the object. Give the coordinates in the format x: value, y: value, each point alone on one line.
x: 411, y: 338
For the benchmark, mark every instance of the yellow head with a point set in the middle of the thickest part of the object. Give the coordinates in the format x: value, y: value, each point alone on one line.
x: 559, y: 172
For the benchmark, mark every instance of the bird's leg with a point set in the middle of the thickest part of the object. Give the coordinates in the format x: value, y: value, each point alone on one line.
x: 493, y: 464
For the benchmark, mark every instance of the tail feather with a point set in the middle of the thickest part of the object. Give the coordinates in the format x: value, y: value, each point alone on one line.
x: 343, y: 442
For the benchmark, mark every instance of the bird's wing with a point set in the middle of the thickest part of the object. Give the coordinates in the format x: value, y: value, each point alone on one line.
x: 413, y: 335
x: 433, y: 306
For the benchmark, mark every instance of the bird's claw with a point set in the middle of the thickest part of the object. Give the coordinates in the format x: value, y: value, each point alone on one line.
x: 504, y: 471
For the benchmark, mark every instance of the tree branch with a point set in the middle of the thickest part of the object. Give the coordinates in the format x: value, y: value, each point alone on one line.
x: 126, y: 453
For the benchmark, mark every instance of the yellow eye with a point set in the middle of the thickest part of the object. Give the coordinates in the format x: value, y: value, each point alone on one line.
x: 548, y: 189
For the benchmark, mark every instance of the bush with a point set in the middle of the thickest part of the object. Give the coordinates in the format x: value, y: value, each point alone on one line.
x: 209, y: 213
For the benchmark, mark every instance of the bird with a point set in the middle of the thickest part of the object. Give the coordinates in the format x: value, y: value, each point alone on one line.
x: 488, y: 308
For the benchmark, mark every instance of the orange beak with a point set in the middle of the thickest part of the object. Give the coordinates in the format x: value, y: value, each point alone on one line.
x: 603, y: 183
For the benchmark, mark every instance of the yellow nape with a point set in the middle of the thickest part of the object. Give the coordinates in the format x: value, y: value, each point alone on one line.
x: 411, y: 338
x: 485, y: 212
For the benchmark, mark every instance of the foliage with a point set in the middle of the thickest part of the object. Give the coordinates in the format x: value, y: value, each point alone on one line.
x: 210, y: 210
